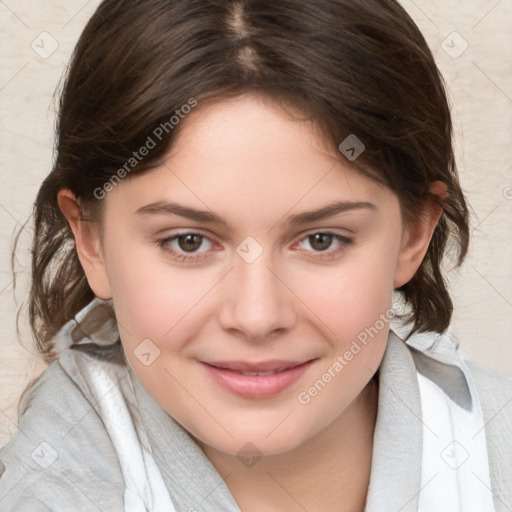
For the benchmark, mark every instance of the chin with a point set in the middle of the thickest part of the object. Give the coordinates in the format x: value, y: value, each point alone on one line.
x: 254, y: 443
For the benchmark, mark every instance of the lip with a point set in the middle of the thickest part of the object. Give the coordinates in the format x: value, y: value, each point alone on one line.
x: 227, y: 375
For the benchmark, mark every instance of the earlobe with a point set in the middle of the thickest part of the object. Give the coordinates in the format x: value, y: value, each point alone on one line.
x: 417, y: 238
x: 88, y: 244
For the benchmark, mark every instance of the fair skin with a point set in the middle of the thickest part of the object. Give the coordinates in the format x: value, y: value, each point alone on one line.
x: 304, y: 299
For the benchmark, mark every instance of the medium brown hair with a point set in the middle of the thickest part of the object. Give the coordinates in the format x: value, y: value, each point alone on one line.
x: 357, y: 67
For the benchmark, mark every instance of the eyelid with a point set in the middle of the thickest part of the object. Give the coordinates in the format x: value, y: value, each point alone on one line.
x: 337, y: 236
x: 326, y: 231
x: 173, y: 232
x: 335, y: 232
x: 165, y: 244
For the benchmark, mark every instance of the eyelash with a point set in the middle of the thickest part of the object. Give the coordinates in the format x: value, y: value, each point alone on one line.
x: 186, y: 257
x: 164, y: 244
x: 344, y: 241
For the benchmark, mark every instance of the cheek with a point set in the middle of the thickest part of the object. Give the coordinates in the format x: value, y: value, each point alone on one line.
x: 161, y: 311
x: 154, y: 299
x: 352, y: 305
x: 352, y: 297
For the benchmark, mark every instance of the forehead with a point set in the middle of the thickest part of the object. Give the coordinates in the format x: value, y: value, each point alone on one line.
x: 250, y: 156
x: 251, y: 125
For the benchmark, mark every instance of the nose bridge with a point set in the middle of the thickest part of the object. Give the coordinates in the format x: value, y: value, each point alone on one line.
x: 257, y: 303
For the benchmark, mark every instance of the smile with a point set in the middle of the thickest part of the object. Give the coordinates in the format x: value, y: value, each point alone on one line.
x: 256, y: 380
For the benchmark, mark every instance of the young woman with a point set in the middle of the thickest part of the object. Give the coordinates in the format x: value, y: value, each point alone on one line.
x: 240, y: 188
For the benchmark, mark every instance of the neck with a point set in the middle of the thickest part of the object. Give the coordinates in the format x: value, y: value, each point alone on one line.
x: 328, y: 472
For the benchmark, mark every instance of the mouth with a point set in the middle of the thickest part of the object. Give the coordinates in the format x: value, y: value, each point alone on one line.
x: 256, y: 380
x: 263, y: 368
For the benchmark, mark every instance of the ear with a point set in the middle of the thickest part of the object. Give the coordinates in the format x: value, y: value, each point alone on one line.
x: 88, y: 244
x: 417, y: 237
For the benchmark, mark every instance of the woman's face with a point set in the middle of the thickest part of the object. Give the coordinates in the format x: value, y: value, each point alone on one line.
x: 252, y: 277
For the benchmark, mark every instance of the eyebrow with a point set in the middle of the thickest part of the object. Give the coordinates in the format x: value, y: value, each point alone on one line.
x: 205, y: 216
x: 165, y: 208
x: 329, y: 211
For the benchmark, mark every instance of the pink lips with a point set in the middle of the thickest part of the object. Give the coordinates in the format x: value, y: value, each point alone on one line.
x: 256, y: 380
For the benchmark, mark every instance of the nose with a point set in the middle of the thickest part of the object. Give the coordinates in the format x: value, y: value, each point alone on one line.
x: 257, y: 304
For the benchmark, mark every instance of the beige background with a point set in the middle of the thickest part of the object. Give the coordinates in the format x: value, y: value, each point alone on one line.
x: 36, y: 41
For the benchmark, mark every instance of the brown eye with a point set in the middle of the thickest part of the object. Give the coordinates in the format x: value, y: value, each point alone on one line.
x: 190, y: 242
x: 320, y: 241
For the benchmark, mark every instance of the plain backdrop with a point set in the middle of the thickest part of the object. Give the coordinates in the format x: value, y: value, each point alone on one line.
x: 472, y: 43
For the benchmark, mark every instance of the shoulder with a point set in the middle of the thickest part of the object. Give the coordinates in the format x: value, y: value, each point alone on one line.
x: 489, y: 380
x: 495, y: 393
x: 61, y: 449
